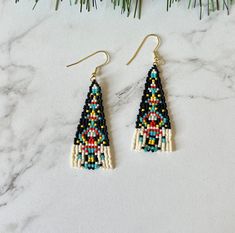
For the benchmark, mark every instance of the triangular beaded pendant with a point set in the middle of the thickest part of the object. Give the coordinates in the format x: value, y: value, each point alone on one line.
x: 153, y: 127
x: 91, y: 143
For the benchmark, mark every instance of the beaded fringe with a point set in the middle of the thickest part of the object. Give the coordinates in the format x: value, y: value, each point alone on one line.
x: 103, y: 158
x: 164, y: 140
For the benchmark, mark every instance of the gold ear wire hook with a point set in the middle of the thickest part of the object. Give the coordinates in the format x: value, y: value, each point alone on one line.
x: 98, y: 67
x: 157, y: 59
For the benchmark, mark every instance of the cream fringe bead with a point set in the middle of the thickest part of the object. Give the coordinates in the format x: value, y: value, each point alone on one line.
x: 76, y: 162
x: 162, y: 146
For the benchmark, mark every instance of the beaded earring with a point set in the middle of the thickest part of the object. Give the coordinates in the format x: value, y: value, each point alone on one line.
x: 91, y: 143
x: 153, y: 128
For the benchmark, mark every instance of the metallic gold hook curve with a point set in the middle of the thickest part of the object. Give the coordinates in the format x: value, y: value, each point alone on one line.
x: 156, y: 56
x: 98, y: 67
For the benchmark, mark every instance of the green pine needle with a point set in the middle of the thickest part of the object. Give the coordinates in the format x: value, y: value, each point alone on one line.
x: 135, y: 6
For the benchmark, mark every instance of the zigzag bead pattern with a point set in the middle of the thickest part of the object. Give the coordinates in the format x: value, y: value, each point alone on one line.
x: 91, y: 143
x: 153, y: 128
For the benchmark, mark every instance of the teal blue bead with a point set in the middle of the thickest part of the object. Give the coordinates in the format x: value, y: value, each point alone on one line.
x: 153, y: 75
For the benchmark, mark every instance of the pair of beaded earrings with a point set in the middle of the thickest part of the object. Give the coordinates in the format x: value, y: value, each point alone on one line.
x: 91, y: 149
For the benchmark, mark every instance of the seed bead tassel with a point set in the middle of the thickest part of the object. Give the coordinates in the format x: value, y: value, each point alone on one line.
x: 144, y: 139
x: 163, y: 139
x: 74, y: 156
x: 167, y: 140
x: 159, y: 142
x: 133, y: 145
x: 137, y: 140
x: 109, y: 158
x: 170, y: 141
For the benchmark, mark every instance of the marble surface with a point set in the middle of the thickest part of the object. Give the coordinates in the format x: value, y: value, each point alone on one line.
x: 188, y: 191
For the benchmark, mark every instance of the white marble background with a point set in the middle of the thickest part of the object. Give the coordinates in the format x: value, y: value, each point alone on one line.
x: 188, y: 191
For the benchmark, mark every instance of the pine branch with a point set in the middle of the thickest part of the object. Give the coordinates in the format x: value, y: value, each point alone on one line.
x: 135, y: 6
x: 212, y: 5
